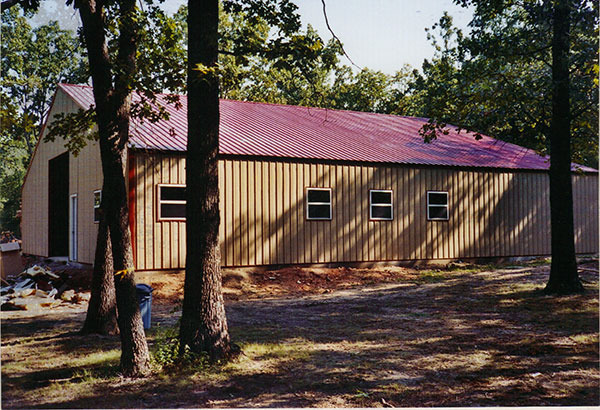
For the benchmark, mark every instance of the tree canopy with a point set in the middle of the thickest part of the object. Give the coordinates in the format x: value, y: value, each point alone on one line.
x: 33, y: 62
x: 492, y: 80
x: 496, y: 80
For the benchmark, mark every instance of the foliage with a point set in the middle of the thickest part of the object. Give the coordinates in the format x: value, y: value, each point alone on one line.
x: 299, y: 77
x: 370, y: 90
x: 526, y: 73
x: 300, y: 69
x: 160, y: 63
x: 311, y: 74
x: 27, y: 5
x: 166, y: 354
x: 496, y: 79
x: 292, y: 67
x: 33, y: 61
x: 10, y: 194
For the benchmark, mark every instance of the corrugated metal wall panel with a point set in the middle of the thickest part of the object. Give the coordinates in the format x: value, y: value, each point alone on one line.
x: 263, y: 213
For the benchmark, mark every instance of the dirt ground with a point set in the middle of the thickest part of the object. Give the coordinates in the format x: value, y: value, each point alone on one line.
x: 476, y: 336
x: 248, y: 283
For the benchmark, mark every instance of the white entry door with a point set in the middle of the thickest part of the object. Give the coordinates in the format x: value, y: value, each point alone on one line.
x: 73, y: 228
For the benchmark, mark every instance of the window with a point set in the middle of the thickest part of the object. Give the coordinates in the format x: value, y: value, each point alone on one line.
x: 381, y: 207
x: 171, y: 202
x: 318, y: 204
x: 97, y: 201
x: 437, y: 206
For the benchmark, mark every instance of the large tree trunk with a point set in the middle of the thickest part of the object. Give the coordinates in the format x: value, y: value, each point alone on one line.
x: 112, y: 117
x: 203, y: 320
x: 135, y: 359
x: 101, y: 315
x: 563, y: 272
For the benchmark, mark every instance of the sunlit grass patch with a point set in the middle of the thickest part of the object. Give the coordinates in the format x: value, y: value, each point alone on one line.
x: 519, y: 288
x: 475, y: 268
x: 452, y: 271
x: 432, y: 276
x: 294, y: 349
x: 57, y: 353
x: 61, y: 391
x: 567, y: 308
x: 98, y: 359
x: 589, y: 338
x: 52, y: 375
x: 538, y: 262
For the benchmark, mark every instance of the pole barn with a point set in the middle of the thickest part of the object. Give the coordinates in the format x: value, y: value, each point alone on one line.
x: 302, y: 185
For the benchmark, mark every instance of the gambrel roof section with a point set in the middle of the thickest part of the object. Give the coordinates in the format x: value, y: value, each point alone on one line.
x: 286, y: 131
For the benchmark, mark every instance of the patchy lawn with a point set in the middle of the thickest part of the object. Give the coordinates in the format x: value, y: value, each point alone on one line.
x: 336, y: 338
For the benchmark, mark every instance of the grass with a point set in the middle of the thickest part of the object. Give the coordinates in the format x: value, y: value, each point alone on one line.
x: 432, y: 276
x: 451, y: 338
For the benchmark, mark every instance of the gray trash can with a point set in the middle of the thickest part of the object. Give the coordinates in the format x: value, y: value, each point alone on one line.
x: 144, y: 295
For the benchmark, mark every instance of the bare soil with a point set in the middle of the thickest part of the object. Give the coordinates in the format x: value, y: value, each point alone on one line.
x: 335, y: 338
x: 248, y: 283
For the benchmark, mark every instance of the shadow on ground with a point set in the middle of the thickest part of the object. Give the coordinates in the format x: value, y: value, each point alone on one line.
x: 485, y: 339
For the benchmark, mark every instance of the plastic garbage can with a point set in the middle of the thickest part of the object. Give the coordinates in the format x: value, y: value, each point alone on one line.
x: 144, y: 295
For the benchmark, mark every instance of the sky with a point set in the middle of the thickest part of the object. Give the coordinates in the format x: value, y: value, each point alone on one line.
x: 379, y: 34
x: 382, y: 34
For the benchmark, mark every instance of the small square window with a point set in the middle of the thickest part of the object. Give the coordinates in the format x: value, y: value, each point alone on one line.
x: 381, y: 206
x: 437, y: 205
x: 97, y: 202
x: 171, y: 202
x: 318, y: 203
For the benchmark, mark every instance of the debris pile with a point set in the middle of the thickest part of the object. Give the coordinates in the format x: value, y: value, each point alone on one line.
x: 37, y: 287
x: 8, y: 237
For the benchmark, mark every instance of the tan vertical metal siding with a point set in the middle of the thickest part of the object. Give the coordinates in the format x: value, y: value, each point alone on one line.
x: 263, y: 213
x: 263, y: 210
x: 158, y: 244
x: 85, y: 176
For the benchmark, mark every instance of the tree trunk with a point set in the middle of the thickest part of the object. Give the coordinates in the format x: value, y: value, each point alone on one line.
x: 101, y: 315
x: 563, y: 272
x: 135, y: 359
x: 113, y: 106
x: 203, y: 320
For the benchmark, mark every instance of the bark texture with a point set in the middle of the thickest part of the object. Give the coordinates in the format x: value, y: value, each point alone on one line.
x: 564, y: 278
x: 112, y: 116
x: 101, y: 315
x: 203, y: 320
x: 134, y: 349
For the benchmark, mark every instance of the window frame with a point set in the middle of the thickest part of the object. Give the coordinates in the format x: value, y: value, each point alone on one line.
x: 97, y: 191
x: 308, y: 203
x: 160, y: 201
x: 447, y: 206
x: 390, y: 205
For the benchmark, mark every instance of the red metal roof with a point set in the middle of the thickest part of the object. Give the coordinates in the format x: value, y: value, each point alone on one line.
x: 272, y: 130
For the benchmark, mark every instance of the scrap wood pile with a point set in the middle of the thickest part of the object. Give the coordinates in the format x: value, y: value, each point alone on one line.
x: 39, y: 287
x: 8, y: 237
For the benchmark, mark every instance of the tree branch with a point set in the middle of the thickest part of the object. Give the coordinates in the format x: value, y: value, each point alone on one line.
x: 336, y: 37
x: 28, y: 5
x: 575, y: 114
x: 6, y: 4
